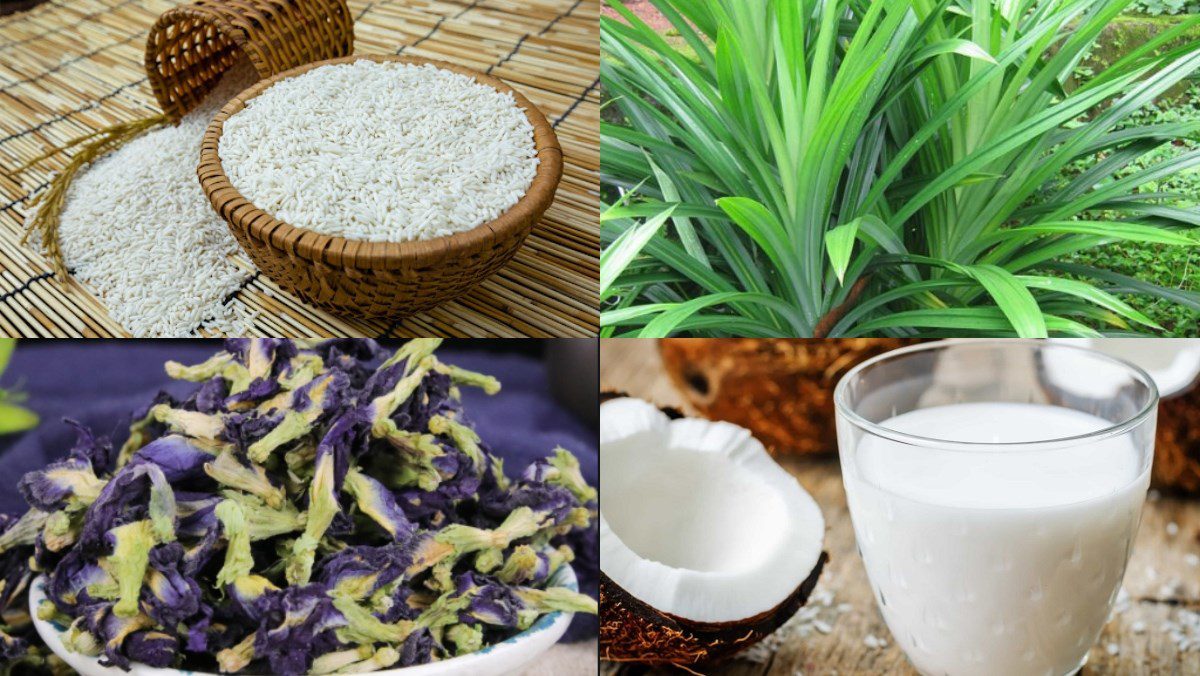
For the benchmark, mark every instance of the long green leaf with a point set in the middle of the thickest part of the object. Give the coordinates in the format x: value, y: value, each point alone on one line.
x: 669, y: 318
x: 839, y: 243
x: 621, y: 253
x: 1089, y: 293
x: 1012, y: 297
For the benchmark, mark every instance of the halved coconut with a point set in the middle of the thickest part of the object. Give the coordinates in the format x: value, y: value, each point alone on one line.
x: 706, y: 545
x: 1173, y: 364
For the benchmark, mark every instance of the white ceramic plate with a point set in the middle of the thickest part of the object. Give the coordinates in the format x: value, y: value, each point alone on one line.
x: 503, y: 658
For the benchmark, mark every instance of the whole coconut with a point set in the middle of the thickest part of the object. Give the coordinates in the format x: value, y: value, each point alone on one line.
x: 1177, y: 448
x: 779, y: 389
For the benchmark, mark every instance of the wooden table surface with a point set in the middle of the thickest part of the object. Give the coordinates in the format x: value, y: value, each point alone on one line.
x: 1158, y: 559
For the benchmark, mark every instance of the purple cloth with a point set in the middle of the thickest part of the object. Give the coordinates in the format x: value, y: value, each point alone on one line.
x: 101, y: 383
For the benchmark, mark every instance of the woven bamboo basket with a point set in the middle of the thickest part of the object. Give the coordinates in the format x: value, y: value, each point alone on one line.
x: 379, y: 279
x: 188, y: 49
x: 191, y: 46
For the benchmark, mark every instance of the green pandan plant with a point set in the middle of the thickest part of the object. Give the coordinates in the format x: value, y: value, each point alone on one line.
x: 865, y: 167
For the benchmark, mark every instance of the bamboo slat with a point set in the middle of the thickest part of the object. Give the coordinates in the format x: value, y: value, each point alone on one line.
x: 68, y: 67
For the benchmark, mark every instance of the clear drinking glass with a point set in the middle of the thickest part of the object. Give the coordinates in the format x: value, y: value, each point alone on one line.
x: 995, y: 488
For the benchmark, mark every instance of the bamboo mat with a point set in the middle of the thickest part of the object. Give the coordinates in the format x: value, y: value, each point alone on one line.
x: 68, y: 67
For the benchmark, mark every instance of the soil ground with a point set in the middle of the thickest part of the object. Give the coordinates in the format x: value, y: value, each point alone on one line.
x: 645, y: 11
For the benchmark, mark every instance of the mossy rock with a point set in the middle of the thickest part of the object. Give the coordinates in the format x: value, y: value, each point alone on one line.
x: 1127, y: 33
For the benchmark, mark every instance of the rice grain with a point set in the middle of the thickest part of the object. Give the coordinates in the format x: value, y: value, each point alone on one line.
x: 138, y: 229
x: 380, y: 151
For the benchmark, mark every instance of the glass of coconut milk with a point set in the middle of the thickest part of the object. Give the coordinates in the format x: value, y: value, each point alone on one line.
x: 995, y: 488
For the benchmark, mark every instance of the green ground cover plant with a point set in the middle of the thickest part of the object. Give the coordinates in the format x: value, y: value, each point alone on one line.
x: 848, y: 168
x: 1160, y: 7
x: 1168, y: 266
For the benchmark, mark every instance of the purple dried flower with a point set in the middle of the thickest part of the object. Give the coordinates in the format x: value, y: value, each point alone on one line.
x: 210, y: 397
x: 97, y: 451
x: 196, y: 542
x: 12, y: 647
x: 377, y: 502
x: 417, y: 649
x: 52, y: 487
x: 178, y: 457
x: 136, y: 492
x: 69, y: 580
x: 154, y: 648
x: 298, y: 623
x: 491, y: 602
x: 170, y: 597
x: 357, y: 572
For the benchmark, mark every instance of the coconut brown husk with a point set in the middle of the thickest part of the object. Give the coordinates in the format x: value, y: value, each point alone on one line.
x: 779, y: 389
x: 632, y: 631
x: 1177, y: 448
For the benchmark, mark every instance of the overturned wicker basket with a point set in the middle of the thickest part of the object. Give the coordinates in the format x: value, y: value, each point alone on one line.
x: 378, y: 279
x: 187, y: 51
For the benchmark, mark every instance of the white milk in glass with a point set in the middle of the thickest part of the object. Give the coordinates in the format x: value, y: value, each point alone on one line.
x: 996, y: 561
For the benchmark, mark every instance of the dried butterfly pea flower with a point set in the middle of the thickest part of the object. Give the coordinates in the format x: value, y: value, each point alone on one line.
x: 467, y: 638
x: 144, y: 428
x: 246, y: 591
x: 418, y: 648
x: 238, y: 559
x: 195, y: 512
x: 562, y: 469
x: 12, y: 647
x: 220, y: 365
x: 489, y: 603
x: 21, y: 532
x: 170, y: 596
x: 138, y: 491
x: 322, y: 507
x: 358, y: 572
x: 306, y: 407
x: 230, y: 470
x: 298, y: 623
x: 523, y: 522
x: 154, y: 648
x: 338, y: 438
x: 131, y: 544
x: 525, y: 565
x: 62, y: 484
x: 362, y: 659
x: 108, y: 631
x: 15, y: 576
x: 419, y: 461
x: 69, y: 581
x: 465, y: 439
x: 177, y: 456
x: 461, y: 376
x: 191, y: 423
x: 379, y: 503
x: 98, y: 451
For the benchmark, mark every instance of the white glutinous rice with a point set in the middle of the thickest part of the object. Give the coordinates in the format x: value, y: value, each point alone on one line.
x: 138, y: 229
x: 384, y: 152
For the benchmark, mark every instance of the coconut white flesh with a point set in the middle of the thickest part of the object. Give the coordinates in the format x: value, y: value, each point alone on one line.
x: 1173, y: 364
x: 696, y: 519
